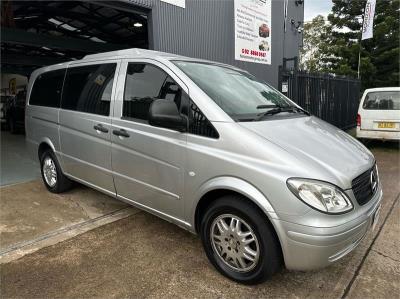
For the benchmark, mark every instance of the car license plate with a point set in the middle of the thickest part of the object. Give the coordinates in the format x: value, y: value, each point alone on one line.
x: 385, y: 125
x: 375, y: 218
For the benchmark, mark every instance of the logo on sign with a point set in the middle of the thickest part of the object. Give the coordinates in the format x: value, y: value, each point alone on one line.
x: 367, y: 17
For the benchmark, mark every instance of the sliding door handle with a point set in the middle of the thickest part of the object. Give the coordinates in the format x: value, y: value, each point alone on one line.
x: 121, y: 133
x: 100, y: 128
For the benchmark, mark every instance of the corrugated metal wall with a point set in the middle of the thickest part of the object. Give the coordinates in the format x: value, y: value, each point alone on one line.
x: 205, y: 29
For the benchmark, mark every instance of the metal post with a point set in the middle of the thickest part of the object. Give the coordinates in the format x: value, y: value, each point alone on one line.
x: 359, y: 48
x: 296, y: 62
x: 359, y: 61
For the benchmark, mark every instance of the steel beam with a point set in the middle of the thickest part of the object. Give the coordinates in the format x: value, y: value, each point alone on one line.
x: 19, y: 59
x: 17, y: 36
x: 13, y: 69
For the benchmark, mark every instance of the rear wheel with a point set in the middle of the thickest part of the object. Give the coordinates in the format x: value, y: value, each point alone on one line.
x: 239, y: 241
x: 53, y: 178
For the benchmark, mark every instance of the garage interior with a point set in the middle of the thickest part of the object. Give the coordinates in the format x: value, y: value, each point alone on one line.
x: 39, y: 33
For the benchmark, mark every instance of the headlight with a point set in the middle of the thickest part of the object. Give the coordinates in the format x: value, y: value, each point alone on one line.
x: 322, y: 196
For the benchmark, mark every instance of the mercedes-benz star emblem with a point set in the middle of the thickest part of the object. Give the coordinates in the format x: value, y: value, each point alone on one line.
x: 374, y: 183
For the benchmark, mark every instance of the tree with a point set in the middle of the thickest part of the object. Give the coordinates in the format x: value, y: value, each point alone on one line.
x: 379, y: 55
x: 314, y: 40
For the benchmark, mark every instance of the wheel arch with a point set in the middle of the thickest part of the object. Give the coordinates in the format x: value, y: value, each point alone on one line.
x: 235, y: 186
x: 220, y: 186
x: 44, y: 145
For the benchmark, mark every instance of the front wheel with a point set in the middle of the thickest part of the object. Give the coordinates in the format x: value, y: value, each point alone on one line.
x: 239, y: 241
x: 53, y: 178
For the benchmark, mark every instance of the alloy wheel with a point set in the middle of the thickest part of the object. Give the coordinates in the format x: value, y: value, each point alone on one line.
x: 49, y: 172
x: 235, y: 242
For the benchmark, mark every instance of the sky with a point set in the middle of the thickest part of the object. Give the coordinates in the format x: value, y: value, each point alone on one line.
x: 312, y: 8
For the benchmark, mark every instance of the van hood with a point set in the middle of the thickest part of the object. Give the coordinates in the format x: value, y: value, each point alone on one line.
x: 317, y: 144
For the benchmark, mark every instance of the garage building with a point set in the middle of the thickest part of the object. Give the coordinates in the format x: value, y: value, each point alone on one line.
x: 39, y: 33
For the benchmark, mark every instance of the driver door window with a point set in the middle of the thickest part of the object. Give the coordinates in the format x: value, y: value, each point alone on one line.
x: 145, y: 83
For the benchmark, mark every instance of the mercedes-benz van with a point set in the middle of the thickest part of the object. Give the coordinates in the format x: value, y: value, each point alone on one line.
x: 210, y: 148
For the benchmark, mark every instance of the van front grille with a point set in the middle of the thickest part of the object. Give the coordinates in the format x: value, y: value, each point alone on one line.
x: 362, y: 186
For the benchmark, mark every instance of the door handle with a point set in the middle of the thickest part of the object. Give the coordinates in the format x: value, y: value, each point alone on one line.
x: 121, y: 133
x: 100, y: 128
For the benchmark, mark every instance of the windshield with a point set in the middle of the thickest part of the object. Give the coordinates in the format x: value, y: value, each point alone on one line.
x: 382, y: 100
x: 238, y: 93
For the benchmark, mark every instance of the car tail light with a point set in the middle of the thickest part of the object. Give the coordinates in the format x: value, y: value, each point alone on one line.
x: 358, y: 120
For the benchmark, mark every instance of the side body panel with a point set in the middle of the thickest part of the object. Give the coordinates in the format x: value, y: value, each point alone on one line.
x: 86, y: 151
x: 42, y: 123
x: 148, y: 166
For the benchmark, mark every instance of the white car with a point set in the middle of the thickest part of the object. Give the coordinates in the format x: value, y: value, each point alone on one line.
x: 379, y: 114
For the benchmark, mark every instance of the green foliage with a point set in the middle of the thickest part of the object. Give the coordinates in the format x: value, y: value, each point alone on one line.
x: 314, y: 37
x: 338, y: 46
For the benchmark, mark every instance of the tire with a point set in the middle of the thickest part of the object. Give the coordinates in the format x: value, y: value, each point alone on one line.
x: 269, y: 257
x: 61, y: 183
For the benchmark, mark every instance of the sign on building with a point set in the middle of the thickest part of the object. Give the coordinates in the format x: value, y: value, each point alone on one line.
x: 253, y: 30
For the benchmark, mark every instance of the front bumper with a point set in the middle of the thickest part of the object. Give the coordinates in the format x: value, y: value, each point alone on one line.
x: 307, y: 248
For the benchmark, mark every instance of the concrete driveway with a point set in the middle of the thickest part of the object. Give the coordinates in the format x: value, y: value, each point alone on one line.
x: 16, y: 164
x: 143, y: 256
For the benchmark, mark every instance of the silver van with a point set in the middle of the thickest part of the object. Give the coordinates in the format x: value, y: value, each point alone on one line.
x: 209, y: 147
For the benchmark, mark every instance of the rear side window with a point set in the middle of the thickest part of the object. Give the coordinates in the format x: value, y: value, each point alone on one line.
x: 382, y: 100
x: 144, y: 83
x: 46, y: 90
x: 88, y: 88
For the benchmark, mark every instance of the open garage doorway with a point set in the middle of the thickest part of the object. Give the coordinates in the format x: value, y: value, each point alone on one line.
x: 39, y: 33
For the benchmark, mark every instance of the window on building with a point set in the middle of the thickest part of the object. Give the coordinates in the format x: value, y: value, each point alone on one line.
x: 46, y: 90
x: 88, y: 88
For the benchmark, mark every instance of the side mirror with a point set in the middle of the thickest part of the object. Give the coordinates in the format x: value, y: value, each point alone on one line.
x: 165, y: 114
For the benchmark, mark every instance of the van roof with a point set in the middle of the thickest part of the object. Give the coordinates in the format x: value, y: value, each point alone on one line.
x: 143, y: 53
x: 134, y: 52
x: 127, y: 53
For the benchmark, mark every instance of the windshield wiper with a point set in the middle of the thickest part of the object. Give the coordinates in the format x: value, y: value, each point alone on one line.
x: 279, y: 109
x: 266, y: 106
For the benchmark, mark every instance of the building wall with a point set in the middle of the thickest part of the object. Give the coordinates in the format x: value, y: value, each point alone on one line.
x: 205, y: 29
x: 293, y: 39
